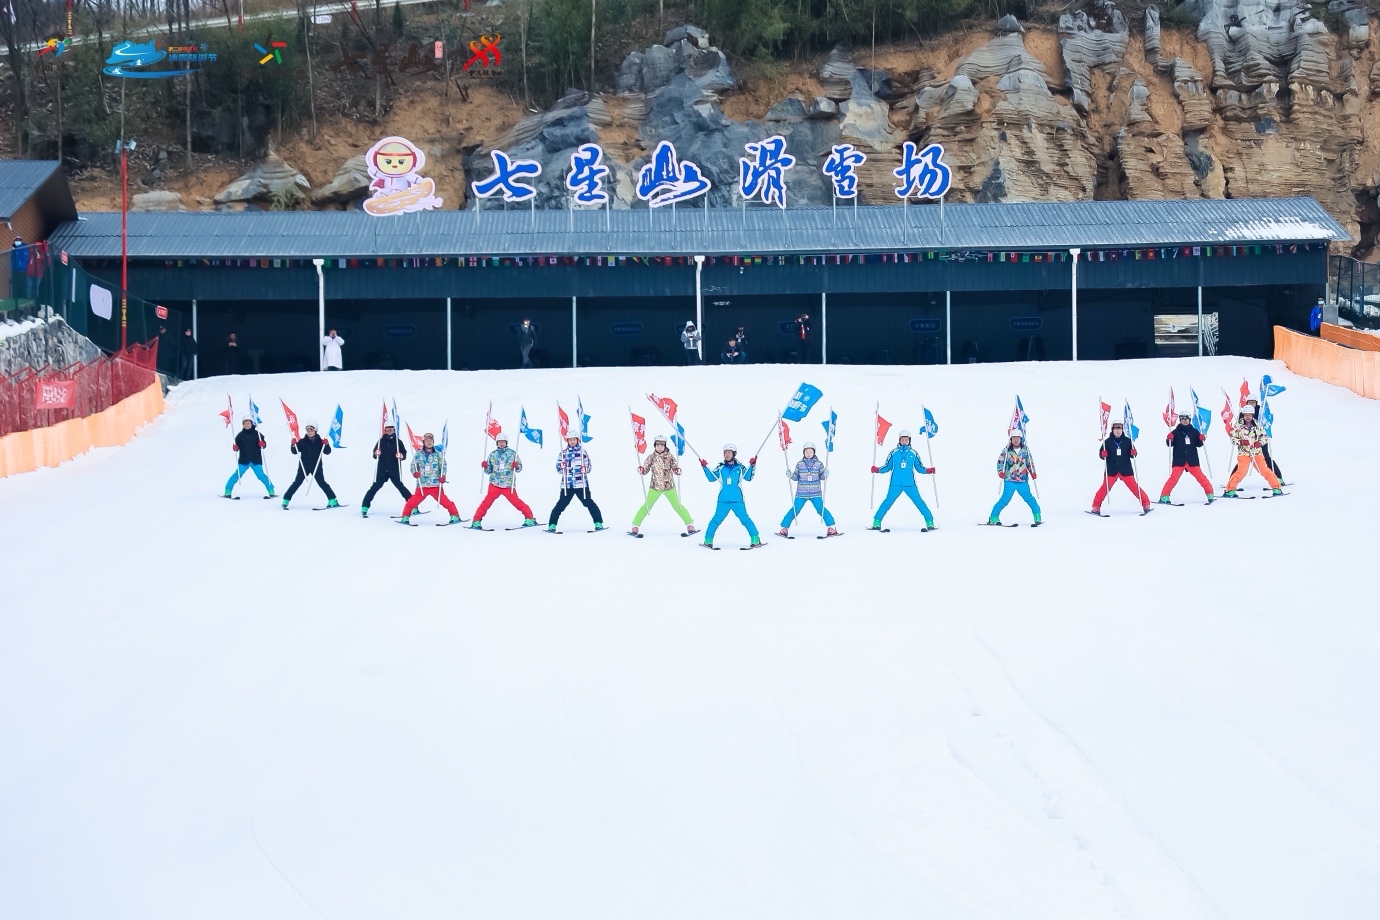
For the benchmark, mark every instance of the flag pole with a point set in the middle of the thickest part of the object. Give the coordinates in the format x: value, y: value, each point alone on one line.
x: 828, y: 443
x: 929, y: 450
x: 1102, y: 441
x: 769, y: 434
x: 872, y: 494
x: 679, y: 431
x: 484, y: 447
x: 785, y: 458
x: 641, y: 477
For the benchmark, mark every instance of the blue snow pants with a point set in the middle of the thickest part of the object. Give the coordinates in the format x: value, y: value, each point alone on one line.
x: 239, y: 474
x: 910, y: 491
x: 722, y: 511
x: 1010, y: 489
x: 799, y: 506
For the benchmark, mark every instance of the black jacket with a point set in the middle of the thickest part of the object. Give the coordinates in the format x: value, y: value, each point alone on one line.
x: 311, y: 448
x: 527, y: 337
x: 1185, y: 439
x: 250, y: 444
x: 388, y: 448
x: 188, y: 345
x: 1118, y: 453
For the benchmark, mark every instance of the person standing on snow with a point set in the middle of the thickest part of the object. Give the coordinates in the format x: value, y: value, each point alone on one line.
x: 1250, y: 441
x: 1015, y: 468
x: 574, y: 466
x: 1265, y: 448
x: 809, y: 475
x: 730, y: 476
x: 664, y: 467
x: 389, y: 453
x: 1117, y: 451
x: 429, y: 469
x: 249, y: 445
x: 332, y: 344
x: 1185, y: 441
x: 903, y: 463
x: 309, y: 452
x: 503, y: 465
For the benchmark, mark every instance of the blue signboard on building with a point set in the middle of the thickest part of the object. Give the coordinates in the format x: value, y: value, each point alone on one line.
x: 1026, y: 323
x: 925, y: 325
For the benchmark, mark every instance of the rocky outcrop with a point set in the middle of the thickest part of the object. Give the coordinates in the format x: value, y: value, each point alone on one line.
x: 1089, y: 39
x: 41, y: 343
x: 351, y: 182
x: 273, y: 177
x: 160, y: 200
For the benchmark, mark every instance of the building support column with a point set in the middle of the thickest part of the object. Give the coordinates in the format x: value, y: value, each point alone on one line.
x: 1073, y: 289
x: 824, y: 325
x: 948, y: 331
x: 448, y: 337
x: 320, y: 313
x: 574, y: 336
x: 196, y: 369
x: 1200, y: 320
x: 699, y: 303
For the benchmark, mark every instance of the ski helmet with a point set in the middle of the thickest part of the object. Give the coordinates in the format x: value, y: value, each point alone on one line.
x: 312, y: 426
x: 1248, y: 409
x: 501, y: 437
x: 810, y: 445
x: 732, y: 447
x: 659, y: 439
x: 572, y: 433
x: 903, y: 433
x: 1015, y: 433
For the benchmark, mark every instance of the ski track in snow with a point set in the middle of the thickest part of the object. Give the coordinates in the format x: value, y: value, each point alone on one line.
x: 296, y: 715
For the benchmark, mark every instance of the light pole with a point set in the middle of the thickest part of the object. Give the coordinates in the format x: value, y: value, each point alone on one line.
x: 123, y: 147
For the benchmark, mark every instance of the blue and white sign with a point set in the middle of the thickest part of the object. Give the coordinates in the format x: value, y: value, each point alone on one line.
x: 763, y: 171
x: 666, y: 180
x: 400, y: 331
x: 841, y: 166
x: 924, y: 325
x: 128, y: 55
x: 507, y: 173
x: 1026, y: 323
x: 923, y: 174
x: 587, y: 172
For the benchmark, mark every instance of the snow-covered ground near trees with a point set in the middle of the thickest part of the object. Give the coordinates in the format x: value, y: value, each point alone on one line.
x: 217, y: 709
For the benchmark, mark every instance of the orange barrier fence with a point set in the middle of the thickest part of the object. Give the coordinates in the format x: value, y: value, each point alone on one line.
x: 1350, y: 337
x: 25, y: 451
x: 1358, y: 371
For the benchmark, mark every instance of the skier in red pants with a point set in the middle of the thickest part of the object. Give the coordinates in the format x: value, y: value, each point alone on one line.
x: 1185, y: 440
x: 1118, y: 451
x: 429, y: 469
x: 502, y: 466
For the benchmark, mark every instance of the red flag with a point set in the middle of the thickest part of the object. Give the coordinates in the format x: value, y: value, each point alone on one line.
x: 56, y: 394
x: 565, y: 421
x: 1226, y: 415
x: 1105, y: 414
x: 229, y: 412
x: 383, y: 422
x: 639, y: 427
x: 491, y: 428
x: 882, y: 427
x: 1171, y: 418
x: 666, y: 406
x: 1245, y: 391
x: 291, y: 421
x: 416, y: 441
x: 785, y: 436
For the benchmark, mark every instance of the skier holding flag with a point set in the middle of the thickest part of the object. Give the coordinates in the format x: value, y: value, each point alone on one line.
x: 1016, y: 469
x: 249, y: 445
x: 502, y: 465
x: 310, y: 450
x: 1249, y: 440
x: 903, y: 463
x: 429, y: 469
x: 1184, y: 441
x: 664, y: 468
x: 1118, y: 452
x: 730, y: 475
x: 809, y: 476
x: 389, y: 454
x: 574, y: 465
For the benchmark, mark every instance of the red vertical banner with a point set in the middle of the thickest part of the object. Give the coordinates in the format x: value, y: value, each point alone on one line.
x: 882, y: 427
x: 639, y: 429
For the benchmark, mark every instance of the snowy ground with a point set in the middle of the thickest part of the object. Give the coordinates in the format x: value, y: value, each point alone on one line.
x: 217, y: 709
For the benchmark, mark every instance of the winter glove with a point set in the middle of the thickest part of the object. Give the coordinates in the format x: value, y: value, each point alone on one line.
x: 930, y: 470
x: 417, y: 475
x: 1001, y: 475
x: 704, y: 463
x: 376, y: 455
x: 514, y: 464
x: 442, y: 480
x: 1034, y: 475
x: 397, y: 456
x: 642, y: 471
x: 262, y: 445
x: 1133, y: 452
x: 235, y: 448
x: 677, y: 471
x: 1102, y: 454
x: 752, y: 461
x: 875, y: 470
x: 483, y: 464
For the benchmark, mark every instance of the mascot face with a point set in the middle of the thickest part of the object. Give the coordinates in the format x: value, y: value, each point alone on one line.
x: 395, y: 159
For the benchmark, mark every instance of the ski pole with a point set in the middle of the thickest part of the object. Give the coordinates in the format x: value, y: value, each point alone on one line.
x: 1033, y: 482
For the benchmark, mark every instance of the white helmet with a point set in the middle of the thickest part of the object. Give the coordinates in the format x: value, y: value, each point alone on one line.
x: 659, y: 439
x: 500, y: 437
x: 1015, y: 433
x: 810, y: 445
x: 903, y: 433
x: 572, y: 433
x: 732, y: 447
x: 1248, y: 409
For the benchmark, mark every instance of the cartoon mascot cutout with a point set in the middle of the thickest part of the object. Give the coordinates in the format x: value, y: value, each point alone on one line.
x: 396, y: 186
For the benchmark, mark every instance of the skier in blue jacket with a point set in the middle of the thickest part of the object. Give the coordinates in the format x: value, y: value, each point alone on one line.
x: 730, y: 475
x: 809, y: 475
x: 903, y: 463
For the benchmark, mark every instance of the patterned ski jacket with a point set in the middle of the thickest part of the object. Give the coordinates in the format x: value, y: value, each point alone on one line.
x: 501, y: 471
x: 730, y: 477
x: 1248, y: 437
x: 574, y: 466
x: 810, y: 474
x: 1015, y: 465
x: 902, y: 463
x: 431, y: 464
x: 663, y: 468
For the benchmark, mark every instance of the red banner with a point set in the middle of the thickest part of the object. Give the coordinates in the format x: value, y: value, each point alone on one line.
x: 565, y: 421
x: 1226, y: 415
x: 785, y: 433
x: 291, y: 421
x: 1171, y: 418
x: 416, y: 441
x: 228, y: 413
x: 491, y: 428
x: 1105, y: 413
x: 639, y: 427
x: 666, y: 406
x: 882, y: 427
x: 1245, y: 391
x: 55, y: 394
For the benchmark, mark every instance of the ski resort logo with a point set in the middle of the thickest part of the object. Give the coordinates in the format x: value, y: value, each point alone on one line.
x: 270, y: 50
x: 485, y: 53
x: 126, y: 57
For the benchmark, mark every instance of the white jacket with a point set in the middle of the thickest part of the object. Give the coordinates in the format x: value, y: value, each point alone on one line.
x: 332, y: 345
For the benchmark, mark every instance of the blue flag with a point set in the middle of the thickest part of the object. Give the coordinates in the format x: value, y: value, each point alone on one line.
x: 531, y: 434
x: 830, y: 428
x: 931, y: 426
x: 1267, y: 419
x: 678, y: 439
x: 1018, y: 417
x: 1269, y: 388
x: 445, y: 436
x: 801, y: 403
x: 1202, y: 418
x: 584, y: 420
x: 397, y: 422
x: 254, y: 411
x: 337, y: 426
x: 1130, y: 421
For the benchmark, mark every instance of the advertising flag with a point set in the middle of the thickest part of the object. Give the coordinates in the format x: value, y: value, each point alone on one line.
x: 1269, y: 388
x: 1019, y: 418
x: 785, y: 432
x: 491, y: 427
x: 830, y: 427
x: 1245, y: 392
x: 881, y: 427
x: 531, y: 434
x: 229, y: 411
x: 1226, y: 415
x: 412, y: 439
x: 639, y: 428
x: 931, y: 426
x: 291, y: 421
x: 1202, y: 416
x: 337, y: 426
x: 383, y: 419
x: 55, y: 394
x: 1171, y: 417
x: 1267, y: 419
x: 666, y: 406
x: 565, y: 422
x: 254, y: 411
x: 800, y: 404
x: 584, y: 420
x: 445, y: 436
x: 397, y: 419
x: 678, y: 439
x: 1104, y: 413
x: 1130, y: 421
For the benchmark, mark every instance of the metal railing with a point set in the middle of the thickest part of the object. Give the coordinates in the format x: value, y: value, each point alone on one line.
x: 1356, y: 290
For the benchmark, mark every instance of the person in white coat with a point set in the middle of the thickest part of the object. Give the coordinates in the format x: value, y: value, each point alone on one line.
x: 332, y: 344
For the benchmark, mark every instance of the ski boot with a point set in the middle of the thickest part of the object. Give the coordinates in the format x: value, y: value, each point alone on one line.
x: 1038, y: 521
x: 929, y: 525
x: 876, y: 525
x: 550, y: 528
x: 529, y: 522
x: 227, y: 494
x: 600, y: 526
x: 1211, y: 498
x: 756, y: 541
x: 832, y: 532
x: 1164, y: 500
x: 332, y: 504
x: 475, y: 524
x: 1230, y: 493
x: 783, y: 532
x: 272, y: 494
x: 691, y: 529
x: 993, y: 522
x: 455, y: 519
x: 633, y: 531
x: 1274, y: 492
x: 364, y: 511
x: 285, y: 504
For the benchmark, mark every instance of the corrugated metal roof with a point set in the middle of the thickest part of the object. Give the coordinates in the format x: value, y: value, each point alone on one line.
x: 690, y: 231
x: 19, y: 179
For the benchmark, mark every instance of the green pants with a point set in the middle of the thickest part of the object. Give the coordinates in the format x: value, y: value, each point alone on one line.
x: 671, y: 497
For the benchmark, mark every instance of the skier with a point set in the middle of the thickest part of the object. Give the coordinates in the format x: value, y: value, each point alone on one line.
x: 309, y: 452
x: 574, y: 466
x: 429, y: 469
x: 903, y: 463
x: 1117, y: 451
x: 1185, y: 440
x: 730, y: 475
x: 503, y: 465
x: 663, y: 466
x: 1265, y: 449
x: 1250, y: 440
x: 809, y: 475
x: 389, y: 453
x: 1015, y: 468
x: 249, y: 444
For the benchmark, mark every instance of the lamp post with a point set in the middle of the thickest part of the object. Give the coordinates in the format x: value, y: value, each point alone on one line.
x: 123, y: 147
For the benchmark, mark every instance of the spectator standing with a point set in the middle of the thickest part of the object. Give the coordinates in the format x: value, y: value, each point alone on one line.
x: 802, y: 335
x: 527, y: 340
x: 333, y: 343
x: 186, y: 365
x: 690, y: 338
x: 19, y: 270
x: 1315, y: 317
x: 230, y: 364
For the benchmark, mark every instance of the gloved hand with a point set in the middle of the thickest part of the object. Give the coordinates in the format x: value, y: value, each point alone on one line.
x: 235, y: 448
x: 1102, y: 454
x: 376, y: 455
x: 1034, y: 475
x: 514, y: 464
x: 752, y: 461
x: 642, y: 471
x: 262, y: 445
x: 875, y: 470
x: 677, y: 471
x: 930, y: 470
x: 1133, y: 452
x: 442, y: 480
x: 417, y: 475
x: 483, y: 464
x: 397, y: 456
x: 1001, y: 475
x: 704, y: 463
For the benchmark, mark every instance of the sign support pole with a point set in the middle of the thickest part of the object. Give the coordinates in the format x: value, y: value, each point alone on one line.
x: 699, y: 305
x: 1074, y: 293
x: 448, y: 337
x: 824, y: 325
x: 196, y: 370
x: 948, y: 329
x: 574, y: 336
x: 320, y: 312
x: 1200, y: 320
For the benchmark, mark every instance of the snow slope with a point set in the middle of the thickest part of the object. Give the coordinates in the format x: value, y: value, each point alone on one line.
x: 217, y: 709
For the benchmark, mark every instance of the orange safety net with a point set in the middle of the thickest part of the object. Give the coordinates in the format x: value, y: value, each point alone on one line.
x: 1350, y: 337
x: 100, y: 384
x: 25, y: 451
x: 1358, y: 371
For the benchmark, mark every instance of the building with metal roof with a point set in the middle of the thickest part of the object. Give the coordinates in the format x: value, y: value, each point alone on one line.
x: 34, y: 199
x: 881, y: 284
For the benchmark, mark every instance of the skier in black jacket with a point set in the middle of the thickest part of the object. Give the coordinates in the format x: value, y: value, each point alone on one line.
x: 1185, y: 441
x: 249, y: 445
x: 1118, y: 450
x: 309, y: 451
x: 389, y: 452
